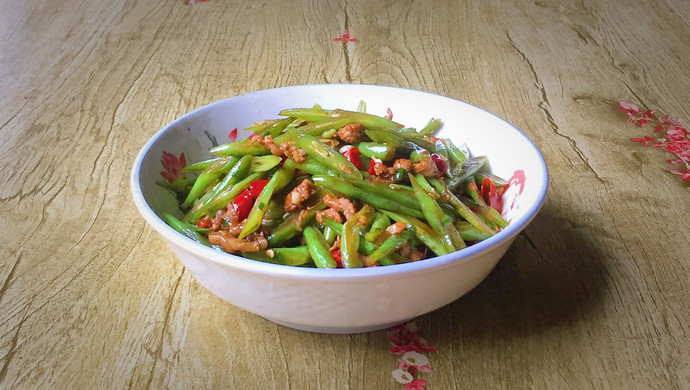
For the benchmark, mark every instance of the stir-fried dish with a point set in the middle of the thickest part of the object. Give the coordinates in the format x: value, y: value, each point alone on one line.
x: 339, y: 189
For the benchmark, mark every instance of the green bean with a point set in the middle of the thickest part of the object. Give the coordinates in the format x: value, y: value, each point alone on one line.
x: 485, y: 210
x: 277, y: 127
x: 367, y: 120
x: 325, y: 155
x: 394, y: 138
x: 365, y: 195
x: 381, y: 222
x: 240, y: 148
x: 402, y: 139
x: 289, y: 229
x: 470, y: 233
x: 422, y: 231
x: 349, y: 244
x: 295, y: 256
x: 222, y: 199
x: 384, y: 152
x: 207, y: 177
x: 457, y: 157
x: 185, y: 228
x: 438, y: 220
x: 430, y: 128
x: 315, y: 168
x: 279, y: 180
x: 265, y: 163
x: 404, y: 198
x: 201, y: 165
x: 392, y: 244
x: 318, y: 248
x: 315, y: 129
x: 238, y: 172
x: 460, y: 207
x: 329, y: 234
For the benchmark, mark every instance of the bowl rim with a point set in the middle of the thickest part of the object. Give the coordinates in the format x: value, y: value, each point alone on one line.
x: 249, y: 265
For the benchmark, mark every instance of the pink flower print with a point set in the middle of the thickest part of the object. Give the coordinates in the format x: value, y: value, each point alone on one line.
x: 172, y: 166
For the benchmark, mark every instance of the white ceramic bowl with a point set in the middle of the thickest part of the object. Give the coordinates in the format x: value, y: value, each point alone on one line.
x: 344, y: 300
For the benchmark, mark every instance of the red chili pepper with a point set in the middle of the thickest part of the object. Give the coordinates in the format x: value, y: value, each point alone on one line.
x: 489, y: 193
x: 256, y: 187
x: 336, y: 255
x: 352, y: 156
x: 440, y: 162
x: 204, y: 223
x: 242, y: 205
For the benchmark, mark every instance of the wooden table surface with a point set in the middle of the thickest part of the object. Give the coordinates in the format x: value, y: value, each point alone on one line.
x: 593, y: 294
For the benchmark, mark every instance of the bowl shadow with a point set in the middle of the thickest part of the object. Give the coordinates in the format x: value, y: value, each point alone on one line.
x: 553, y: 274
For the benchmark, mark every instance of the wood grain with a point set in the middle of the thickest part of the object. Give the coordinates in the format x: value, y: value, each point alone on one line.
x: 594, y: 294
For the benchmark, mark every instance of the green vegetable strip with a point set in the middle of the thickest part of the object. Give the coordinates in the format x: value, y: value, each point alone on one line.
x: 402, y: 139
x: 201, y: 165
x: 430, y: 128
x: 279, y: 180
x: 222, y: 199
x: 392, y: 244
x: 485, y: 210
x: 238, y: 172
x: 422, y: 231
x: 384, y: 190
x: 265, y: 163
x: 470, y: 233
x: 318, y: 248
x: 276, y: 128
x: 185, y: 229
x: 289, y: 229
x: 240, y: 148
x: 384, y: 152
x: 349, y: 243
x: 367, y: 120
x: 370, y: 197
x: 207, y: 177
x: 381, y: 222
x: 365, y: 247
x: 315, y: 129
x: 439, y: 222
x: 295, y: 256
x: 315, y: 168
x: 456, y: 155
x: 460, y: 207
x: 325, y: 155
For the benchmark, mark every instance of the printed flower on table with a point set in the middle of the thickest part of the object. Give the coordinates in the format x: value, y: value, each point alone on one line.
x: 412, y: 361
x: 406, y: 342
x: 173, y: 166
x: 676, y: 138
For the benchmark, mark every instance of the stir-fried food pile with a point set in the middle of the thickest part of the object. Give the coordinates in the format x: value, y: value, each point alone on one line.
x: 339, y: 189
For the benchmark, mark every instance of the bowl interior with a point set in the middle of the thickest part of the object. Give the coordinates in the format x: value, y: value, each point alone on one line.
x: 511, y: 154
